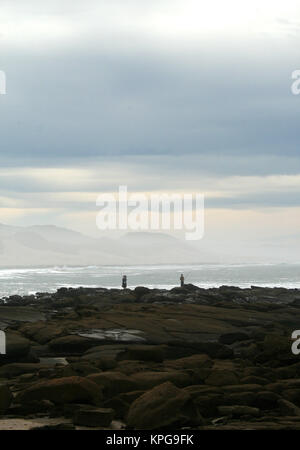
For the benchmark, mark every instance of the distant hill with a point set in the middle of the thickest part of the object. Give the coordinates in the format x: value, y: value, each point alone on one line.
x: 50, y: 245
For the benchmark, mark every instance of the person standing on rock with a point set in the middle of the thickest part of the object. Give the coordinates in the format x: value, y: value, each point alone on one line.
x: 181, y: 280
x: 124, y: 282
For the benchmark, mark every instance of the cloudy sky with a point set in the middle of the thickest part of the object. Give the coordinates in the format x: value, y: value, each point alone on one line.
x: 167, y: 95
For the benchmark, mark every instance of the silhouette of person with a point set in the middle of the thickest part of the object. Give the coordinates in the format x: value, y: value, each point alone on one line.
x: 124, y: 282
x: 181, y: 280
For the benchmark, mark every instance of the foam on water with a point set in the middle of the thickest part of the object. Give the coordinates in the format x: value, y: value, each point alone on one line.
x: 49, y: 279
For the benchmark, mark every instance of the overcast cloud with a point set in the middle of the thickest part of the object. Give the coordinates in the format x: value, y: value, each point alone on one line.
x: 162, y: 95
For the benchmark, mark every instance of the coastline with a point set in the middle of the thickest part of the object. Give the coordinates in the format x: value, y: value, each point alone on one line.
x: 222, y: 354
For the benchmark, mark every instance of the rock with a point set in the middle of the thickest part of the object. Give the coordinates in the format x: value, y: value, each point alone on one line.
x: 254, y: 380
x: 143, y: 353
x: 291, y: 371
x: 5, y: 398
x: 230, y: 338
x: 100, y: 417
x: 71, y: 344
x: 147, y: 380
x: 238, y: 411
x: 59, y: 426
x: 82, y: 368
x: 222, y: 378
x: 288, y: 408
x: 293, y: 395
x: 17, y: 348
x: 266, y: 400
x: 63, y: 390
x: 161, y: 407
x: 113, y: 383
x: 139, y: 291
x: 133, y: 367
x: 207, y: 403
x: 41, y: 332
x: 32, y: 407
x: 239, y: 398
x: 15, y: 369
x: 241, y: 388
x: 190, y: 362
x: 276, y: 347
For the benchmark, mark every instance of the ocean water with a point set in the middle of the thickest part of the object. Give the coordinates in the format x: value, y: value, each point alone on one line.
x: 49, y: 279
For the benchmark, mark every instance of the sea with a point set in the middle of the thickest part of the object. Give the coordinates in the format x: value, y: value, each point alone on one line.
x: 25, y: 281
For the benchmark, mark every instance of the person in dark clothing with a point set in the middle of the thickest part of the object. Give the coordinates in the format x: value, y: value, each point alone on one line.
x: 181, y: 280
x: 124, y: 282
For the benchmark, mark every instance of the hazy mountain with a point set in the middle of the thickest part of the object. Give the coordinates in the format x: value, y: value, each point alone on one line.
x: 51, y: 245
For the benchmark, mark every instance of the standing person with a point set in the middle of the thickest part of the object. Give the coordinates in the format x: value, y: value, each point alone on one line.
x: 124, y: 282
x: 181, y: 280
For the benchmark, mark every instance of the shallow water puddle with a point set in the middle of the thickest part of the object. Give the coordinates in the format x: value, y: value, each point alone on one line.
x: 123, y: 335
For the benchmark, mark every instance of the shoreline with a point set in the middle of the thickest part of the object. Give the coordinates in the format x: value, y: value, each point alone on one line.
x: 218, y: 353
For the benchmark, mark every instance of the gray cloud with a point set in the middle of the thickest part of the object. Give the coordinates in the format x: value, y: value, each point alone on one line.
x: 169, y: 111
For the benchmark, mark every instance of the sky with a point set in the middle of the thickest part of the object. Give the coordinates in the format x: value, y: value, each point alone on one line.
x: 168, y: 96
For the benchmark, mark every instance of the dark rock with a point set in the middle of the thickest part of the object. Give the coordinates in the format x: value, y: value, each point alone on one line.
x: 230, y: 338
x: 63, y: 390
x: 288, y: 408
x: 71, y: 344
x: 222, y: 378
x: 113, y: 383
x: 254, y: 380
x: 143, y: 353
x: 5, y: 398
x: 238, y: 411
x: 163, y: 406
x: 139, y: 291
x: 100, y: 417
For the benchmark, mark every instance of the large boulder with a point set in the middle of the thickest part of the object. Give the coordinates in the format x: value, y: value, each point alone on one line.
x: 5, y: 398
x: 161, y: 407
x: 63, y: 390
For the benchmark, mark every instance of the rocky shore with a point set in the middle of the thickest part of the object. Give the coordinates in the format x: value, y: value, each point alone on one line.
x: 151, y: 359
